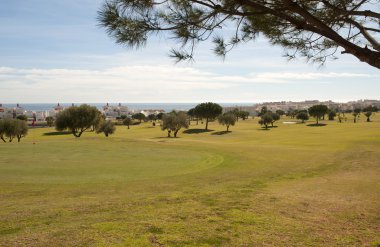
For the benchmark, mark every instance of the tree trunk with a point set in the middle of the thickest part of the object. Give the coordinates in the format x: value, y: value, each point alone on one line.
x: 368, y: 120
x: 206, y: 124
x: 128, y: 126
x: 169, y: 133
x: 175, y: 133
x: 354, y: 119
x: 317, y: 120
x: 228, y: 127
x: 77, y: 134
x: 266, y: 126
x: 2, y: 138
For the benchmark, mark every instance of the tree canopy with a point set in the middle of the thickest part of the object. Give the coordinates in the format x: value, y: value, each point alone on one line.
x: 303, y: 116
x: 315, y: 30
x: 368, y: 112
x: 77, y: 119
x: 139, y: 116
x: 13, y: 128
x: 318, y: 111
x: 266, y: 119
x: 208, y: 111
x: 174, y: 121
x: 106, y: 127
x: 228, y: 119
x: 127, y: 121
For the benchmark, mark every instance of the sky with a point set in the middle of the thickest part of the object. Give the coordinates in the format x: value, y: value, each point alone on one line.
x: 54, y: 51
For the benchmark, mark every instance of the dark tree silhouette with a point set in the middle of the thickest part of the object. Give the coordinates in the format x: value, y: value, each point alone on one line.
x: 208, y: 111
x: 318, y: 111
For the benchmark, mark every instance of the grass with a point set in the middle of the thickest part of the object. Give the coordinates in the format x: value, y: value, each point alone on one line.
x: 293, y: 185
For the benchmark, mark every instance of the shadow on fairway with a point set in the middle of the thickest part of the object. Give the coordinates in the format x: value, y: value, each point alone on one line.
x: 221, y: 133
x: 57, y: 133
x: 165, y: 137
x: 316, y: 125
x: 264, y: 129
x: 196, y: 131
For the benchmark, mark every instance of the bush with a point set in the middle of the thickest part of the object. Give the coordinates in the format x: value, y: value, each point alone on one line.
x: 106, y: 127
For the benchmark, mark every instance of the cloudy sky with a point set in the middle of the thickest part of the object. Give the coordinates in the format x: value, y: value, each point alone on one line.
x: 53, y: 51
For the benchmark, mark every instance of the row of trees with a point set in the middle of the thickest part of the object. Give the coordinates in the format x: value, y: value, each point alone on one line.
x: 317, y: 111
x: 78, y: 119
x: 174, y: 121
x: 211, y: 111
x: 13, y: 128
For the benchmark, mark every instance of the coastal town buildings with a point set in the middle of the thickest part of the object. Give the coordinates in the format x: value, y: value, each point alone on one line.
x: 112, y: 112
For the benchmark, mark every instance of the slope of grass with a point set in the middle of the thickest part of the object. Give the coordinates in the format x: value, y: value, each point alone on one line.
x: 293, y: 185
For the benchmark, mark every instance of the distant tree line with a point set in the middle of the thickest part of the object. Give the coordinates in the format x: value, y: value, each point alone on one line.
x: 79, y: 119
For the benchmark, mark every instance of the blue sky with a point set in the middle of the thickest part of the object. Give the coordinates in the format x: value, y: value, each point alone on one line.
x: 53, y: 51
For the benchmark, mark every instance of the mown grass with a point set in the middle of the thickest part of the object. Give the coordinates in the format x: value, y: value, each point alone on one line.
x: 293, y: 185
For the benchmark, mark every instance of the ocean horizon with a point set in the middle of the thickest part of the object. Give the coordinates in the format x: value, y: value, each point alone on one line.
x: 134, y: 106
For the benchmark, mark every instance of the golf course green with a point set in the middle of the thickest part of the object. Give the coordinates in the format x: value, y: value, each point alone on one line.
x: 293, y: 185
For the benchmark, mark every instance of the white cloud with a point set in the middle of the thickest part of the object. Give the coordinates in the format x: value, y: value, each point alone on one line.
x: 161, y: 83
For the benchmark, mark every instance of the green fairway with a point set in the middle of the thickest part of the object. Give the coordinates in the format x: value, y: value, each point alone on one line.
x: 294, y: 185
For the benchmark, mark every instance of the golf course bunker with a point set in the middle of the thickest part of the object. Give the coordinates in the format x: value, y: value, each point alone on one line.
x: 289, y: 122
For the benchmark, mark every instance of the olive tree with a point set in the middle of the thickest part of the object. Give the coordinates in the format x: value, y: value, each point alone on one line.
x: 208, y: 111
x: 138, y: 116
x: 13, y: 128
x: 77, y: 119
x: 227, y: 119
x: 275, y: 117
x: 49, y: 121
x: 303, y: 116
x: 3, y: 127
x: 368, y: 112
x: 127, y: 121
x: 266, y: 119
x: 243, y: 114
x: 356, y: 113
x: 106, y: 127
x: 21, y: 129
x: 173, y: 122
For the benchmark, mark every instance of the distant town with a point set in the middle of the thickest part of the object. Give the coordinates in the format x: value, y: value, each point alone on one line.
x: 112, y: 112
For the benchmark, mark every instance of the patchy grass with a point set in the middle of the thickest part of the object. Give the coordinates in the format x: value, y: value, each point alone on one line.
x: 291, y: 186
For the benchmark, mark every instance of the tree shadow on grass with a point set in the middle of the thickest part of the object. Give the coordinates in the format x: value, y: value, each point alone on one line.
x: 196, y: 131
x: 316, y: 125
x: 57, y: 133
x: 219, y: 133
x: 165, y: 137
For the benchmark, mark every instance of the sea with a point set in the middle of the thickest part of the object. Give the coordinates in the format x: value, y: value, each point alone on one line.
x: 167, y: 107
